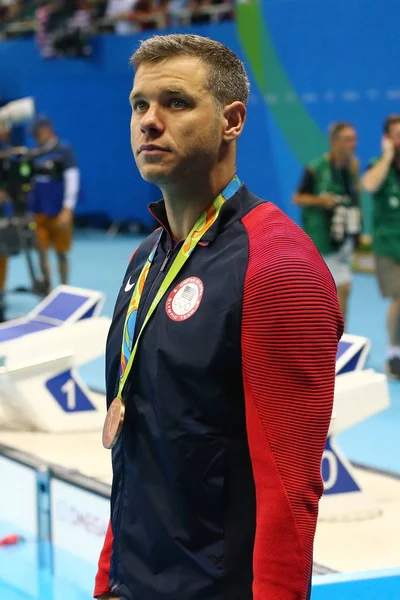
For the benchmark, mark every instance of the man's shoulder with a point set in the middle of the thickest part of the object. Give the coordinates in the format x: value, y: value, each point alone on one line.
x: 140, y: 255
x: 142, y: 251
x: 268, y: 223
x: 276, y: 241
x: 317, y: 163
x: 64, y: 145
x: 64, y: 148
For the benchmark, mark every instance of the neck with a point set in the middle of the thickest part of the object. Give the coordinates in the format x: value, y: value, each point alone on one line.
x: 50, y: 140
x: 339, y: 159
x: 186, y: 202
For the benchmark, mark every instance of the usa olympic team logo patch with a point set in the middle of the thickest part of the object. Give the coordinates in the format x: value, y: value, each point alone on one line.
x: 185, y: 299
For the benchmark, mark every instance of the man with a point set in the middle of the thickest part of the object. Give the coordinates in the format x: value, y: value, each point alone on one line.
x: 53, y: 198
x: 219, y: 431
x: 5, y: 210
x: 329, y: 197
x: 382, y: 180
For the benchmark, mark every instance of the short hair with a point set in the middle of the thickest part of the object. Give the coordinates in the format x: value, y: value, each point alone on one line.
x: 39, y: 122
x: 228, y: 81
x: 389, y: 121
x: 336, y: 128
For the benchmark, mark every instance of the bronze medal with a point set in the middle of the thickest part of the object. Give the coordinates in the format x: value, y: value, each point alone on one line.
x: 113, y: 423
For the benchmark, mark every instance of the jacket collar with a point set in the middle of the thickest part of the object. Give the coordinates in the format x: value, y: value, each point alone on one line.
x: 232, y: 210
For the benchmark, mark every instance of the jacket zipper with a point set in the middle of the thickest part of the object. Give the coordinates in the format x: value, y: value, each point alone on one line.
x: 170, y: 252
x: 118, y: 510
x: 114, y: 583
x: 166, y: 259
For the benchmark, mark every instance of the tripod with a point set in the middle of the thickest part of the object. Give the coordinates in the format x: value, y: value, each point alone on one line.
x: 17, y: 234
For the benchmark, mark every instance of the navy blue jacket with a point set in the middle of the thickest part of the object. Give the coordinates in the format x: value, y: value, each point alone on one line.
x: 217, y: 471
x: 47, y: 195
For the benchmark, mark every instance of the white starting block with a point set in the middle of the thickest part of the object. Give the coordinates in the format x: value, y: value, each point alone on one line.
x: 352, y: 354
x: 41, y: 390
x: 359, y: 394
x: 39, y: 354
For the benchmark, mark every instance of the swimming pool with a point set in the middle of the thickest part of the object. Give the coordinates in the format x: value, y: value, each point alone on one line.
x: 63, y: 517
x: 22, y: 577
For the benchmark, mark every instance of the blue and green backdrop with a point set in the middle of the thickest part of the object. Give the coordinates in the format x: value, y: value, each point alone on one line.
x: 310, y: 63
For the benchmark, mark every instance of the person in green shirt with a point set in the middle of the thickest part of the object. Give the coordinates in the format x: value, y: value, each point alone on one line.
x: 382, y: 180
x: 328, y: 195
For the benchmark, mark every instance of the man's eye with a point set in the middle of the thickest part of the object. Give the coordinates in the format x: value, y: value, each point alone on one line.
x: 177, y: 103
x: 140, y: 105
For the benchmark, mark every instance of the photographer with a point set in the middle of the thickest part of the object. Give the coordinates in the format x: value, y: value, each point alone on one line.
x: 382, y: 180
x: 329, y: 197
x: 53, y: 197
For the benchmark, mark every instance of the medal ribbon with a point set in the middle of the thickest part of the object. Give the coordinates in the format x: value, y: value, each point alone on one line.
x: 202, y: 225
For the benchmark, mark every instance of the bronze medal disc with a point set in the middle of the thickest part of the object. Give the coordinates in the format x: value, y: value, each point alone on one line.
x: 113, y: 423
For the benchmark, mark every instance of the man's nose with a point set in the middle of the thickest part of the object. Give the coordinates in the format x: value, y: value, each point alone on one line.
x: 152, y: 120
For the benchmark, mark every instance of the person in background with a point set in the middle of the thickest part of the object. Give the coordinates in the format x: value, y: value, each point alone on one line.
x: 120, y: 11
x: 5, y: 211
x: 53, y: 197
x: 329, y: 197
x: 48, y: 15
x: 150, y: 14
x: 202, y: 11
x: 10, y: 11
x: 382, y: 180
x: 73, y: 39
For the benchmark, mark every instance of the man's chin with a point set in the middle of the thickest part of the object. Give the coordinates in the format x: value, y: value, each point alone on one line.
x: 156, y: 174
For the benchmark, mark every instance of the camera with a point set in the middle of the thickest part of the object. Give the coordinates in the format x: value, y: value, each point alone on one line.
x: 17, y: 171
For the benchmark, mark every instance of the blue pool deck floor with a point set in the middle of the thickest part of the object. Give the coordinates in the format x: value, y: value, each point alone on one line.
x: 98, y: 262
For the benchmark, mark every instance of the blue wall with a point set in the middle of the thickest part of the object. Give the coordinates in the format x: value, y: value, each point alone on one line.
x: 338, y: 58
x: 88, y: 102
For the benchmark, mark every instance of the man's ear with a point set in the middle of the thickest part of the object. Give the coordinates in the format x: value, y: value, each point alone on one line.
x: 234, y: 118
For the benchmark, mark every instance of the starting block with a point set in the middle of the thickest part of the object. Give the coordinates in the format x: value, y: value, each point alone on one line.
x: 359, y: 394
x: 40, y: 388
x: 352, y: 354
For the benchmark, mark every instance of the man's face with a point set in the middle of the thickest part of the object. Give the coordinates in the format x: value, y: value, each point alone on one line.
x: 43, y: 135
x: 176, y: 128
x: 346, y: 142
x: 394, y: 134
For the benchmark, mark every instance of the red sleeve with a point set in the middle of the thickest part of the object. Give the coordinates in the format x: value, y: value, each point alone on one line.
x: 102, y: 584
x: 290, y: 331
